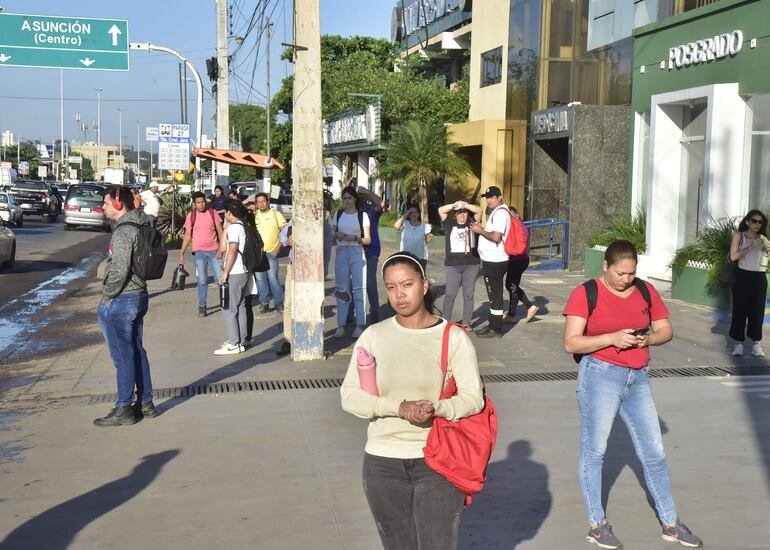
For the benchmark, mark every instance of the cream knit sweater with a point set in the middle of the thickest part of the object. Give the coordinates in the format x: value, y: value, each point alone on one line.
x: 409, y: 368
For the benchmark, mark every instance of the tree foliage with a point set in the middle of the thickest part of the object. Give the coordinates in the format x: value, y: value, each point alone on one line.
x: 418, y: 153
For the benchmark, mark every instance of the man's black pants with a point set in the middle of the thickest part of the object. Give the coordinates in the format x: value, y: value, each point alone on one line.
x: 494, y: 273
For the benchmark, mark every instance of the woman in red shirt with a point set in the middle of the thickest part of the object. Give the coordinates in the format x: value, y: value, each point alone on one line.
x: 612, y: 378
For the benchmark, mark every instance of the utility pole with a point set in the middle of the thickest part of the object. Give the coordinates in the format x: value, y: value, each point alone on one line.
x: 223, y: 94
x: 98, y: 130
x: 120, y: 135
x: 138, y: 156
x: 61, y: 126
x: 266, y: 181
x: 308, y: 289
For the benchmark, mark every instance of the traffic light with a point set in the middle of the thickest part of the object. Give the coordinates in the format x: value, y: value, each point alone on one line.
x: 212, y: 68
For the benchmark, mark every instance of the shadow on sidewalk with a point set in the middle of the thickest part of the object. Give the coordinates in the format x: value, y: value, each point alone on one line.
x: 56, y: 528
x: 512, y: 507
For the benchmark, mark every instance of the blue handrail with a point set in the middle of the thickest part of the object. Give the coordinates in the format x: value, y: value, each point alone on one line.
x: 552, y: 224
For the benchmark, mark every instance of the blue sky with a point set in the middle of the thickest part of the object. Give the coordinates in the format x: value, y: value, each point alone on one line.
x: 150, y: 90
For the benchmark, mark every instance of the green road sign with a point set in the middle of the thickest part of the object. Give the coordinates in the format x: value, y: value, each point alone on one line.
x: 63, y: 42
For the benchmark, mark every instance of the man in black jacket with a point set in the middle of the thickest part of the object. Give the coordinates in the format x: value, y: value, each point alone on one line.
x: 121, y: 313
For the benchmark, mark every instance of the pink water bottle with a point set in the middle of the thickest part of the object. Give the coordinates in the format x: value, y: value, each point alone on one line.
x: 367, y: 371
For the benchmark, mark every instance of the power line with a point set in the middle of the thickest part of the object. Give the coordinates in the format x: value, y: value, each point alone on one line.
x: 90, y: 99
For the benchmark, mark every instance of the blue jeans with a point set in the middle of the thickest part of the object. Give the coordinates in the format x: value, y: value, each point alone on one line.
x: 268, y: 283
x: 202, y: 261
x: 350, y: 270
x: 371, y: 284
x: 122, y: 321
x: 603, y: 391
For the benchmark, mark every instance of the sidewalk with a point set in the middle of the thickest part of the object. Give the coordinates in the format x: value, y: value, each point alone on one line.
x: 280, y: 469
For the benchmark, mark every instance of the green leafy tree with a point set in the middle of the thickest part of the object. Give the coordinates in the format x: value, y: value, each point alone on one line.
x: 418, y: 153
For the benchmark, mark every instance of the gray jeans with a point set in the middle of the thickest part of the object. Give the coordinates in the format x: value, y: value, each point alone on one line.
x: 413, y: 506
x: 235, y: 314
x: 456, y: 276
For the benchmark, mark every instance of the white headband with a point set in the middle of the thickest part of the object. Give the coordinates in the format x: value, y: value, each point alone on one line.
x: 405, y: 256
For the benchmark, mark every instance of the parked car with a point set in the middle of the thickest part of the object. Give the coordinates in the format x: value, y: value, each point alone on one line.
x: 37, y: 198
x: 7, y: 246
x: 84, y: 206
x: 283, y: 204
x: 10, y: 211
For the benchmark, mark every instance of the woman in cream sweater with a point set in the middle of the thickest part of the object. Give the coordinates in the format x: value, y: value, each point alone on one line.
x: 413, y: 506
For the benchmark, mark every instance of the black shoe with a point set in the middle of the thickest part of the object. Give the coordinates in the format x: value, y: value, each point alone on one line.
x: 279, y: 308
x: 264, y: 309
x: 487, y: 332
x: 144, y: 410
x: 201, y: 311
x: 285, y: 349
x: 119, y: 416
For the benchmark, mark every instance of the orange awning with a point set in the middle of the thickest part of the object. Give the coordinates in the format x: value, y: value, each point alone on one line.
x: 254, y: 160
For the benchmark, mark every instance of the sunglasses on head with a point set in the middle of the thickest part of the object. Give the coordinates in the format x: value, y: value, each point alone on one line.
x: 755, y: 220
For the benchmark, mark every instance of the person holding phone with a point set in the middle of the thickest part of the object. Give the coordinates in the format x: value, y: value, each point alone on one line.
x: 613, y: 379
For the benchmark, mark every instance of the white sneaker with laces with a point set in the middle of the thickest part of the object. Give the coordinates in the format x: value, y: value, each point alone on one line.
x: 229, y: 349
x: 339, y: 333
x: 757, y: 351
x: 737, y: 350
x: 356, y: 333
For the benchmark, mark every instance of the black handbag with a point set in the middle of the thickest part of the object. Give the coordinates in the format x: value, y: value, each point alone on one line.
x: 729, y: 272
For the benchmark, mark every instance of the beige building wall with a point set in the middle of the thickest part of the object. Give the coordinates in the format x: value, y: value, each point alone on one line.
x: 489, y: 31
x: 109, y: 157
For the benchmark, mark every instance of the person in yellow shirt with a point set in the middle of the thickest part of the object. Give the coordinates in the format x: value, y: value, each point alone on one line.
x: 269, y: 223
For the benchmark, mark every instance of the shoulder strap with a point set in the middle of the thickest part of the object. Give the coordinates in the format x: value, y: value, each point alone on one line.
x: 592, y: 294
x: 645, y: 292
x: 339, y: 215
x: 193, y: 215
x: 361, y: 222
x: 211, y: 213
x: 445, y: 348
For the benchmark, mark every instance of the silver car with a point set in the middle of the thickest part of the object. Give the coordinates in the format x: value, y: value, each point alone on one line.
x: 10, y: 211
x: 7, y: 246
x: 84, y: 206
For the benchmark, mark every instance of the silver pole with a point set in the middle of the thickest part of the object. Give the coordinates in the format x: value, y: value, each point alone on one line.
x: 120, y: 134
x: 138, y: 151
x: 61, y: 123
x: 98, y: 129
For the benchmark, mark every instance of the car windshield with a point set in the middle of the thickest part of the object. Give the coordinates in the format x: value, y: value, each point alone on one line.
x: 3, y: 197
x: 87, y: 193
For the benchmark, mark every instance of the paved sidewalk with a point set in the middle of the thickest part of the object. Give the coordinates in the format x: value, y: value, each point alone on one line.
x: 280, y: 469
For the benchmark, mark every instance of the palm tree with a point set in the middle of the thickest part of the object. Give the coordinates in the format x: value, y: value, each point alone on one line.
x: 417, y: 154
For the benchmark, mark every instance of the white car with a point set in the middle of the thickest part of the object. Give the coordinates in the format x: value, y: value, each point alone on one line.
x: 10, y: 210
x: 7, y: 246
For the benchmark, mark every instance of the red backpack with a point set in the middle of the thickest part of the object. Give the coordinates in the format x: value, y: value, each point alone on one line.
x: 460, y: 451
x: 516, y: 240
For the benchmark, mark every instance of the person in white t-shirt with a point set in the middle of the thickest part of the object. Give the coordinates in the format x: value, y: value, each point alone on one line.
x: 238, y: 279
x: 350, y: 232
x: 151, y: 202
x: 494, y: 259
x: 415, y: 235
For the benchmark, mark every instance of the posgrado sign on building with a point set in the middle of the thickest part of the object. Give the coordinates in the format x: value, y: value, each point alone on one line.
x: 705, y: 49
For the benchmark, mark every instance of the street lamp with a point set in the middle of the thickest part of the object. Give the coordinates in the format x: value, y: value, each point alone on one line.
x: 120, y: 135
x: 138, y: 156
x: 98, y: 129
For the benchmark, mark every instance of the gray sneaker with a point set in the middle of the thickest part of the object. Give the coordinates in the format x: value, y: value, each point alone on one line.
x: 680, y: 533
x: 603, y: 537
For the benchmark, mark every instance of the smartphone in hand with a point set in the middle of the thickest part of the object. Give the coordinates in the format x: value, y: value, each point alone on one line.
x: 641, y: 331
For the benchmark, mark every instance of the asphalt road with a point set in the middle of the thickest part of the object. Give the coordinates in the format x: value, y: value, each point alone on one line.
x: 44, y: 250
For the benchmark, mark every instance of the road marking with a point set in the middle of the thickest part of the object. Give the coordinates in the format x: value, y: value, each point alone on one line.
x: 755, y: 385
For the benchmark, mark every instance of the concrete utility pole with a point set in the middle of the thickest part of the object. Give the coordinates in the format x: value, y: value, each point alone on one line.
x: 98, y: 130
x: 223, y: 94
x: 120, y: 135
x: 307, y: 170
x: 138, y: 151
x: 266, y: 180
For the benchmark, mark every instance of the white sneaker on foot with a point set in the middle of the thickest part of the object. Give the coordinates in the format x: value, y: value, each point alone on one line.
x: 340, y: 332
x: 531, y: 312
x: 737, y: 350
x: 757, y: 351
x: 229, y: 349
x: 359, y: 330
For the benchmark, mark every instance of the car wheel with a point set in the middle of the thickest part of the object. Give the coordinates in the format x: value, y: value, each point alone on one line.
x: 45, y: 218
x: 67, y: 227
x: 10, y: 261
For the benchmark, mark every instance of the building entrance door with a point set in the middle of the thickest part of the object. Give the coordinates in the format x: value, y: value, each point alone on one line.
x: 693, y: 202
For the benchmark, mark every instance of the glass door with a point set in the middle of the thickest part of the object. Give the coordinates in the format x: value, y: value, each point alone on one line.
x: 693, y: 199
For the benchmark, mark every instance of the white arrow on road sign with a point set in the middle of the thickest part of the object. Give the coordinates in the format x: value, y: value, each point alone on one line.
x: 4, y: 58
x: 87, y: 62
x: 114, y: 31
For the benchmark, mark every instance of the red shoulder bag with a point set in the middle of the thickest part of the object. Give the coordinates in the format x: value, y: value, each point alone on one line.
x: 460, y: 451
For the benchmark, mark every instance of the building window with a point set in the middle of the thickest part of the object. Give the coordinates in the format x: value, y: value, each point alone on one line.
x: 492, y: 67
x: 759, y: 188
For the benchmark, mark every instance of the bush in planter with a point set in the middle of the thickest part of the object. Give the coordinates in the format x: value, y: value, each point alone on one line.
x: 181, y: 209
x: 624, y: 226
x: 711, y: 245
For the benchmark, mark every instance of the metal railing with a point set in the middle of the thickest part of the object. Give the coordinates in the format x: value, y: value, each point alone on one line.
x: 552, y: 225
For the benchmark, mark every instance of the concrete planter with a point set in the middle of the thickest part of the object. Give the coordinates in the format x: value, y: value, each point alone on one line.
x: 691, y: 285
x: 592, y: 266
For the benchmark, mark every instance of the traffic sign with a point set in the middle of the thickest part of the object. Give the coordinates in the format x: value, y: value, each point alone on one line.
x: 24, y: 168
x: 151, y: 133
x: 173, y: 146
x: 63, y: 42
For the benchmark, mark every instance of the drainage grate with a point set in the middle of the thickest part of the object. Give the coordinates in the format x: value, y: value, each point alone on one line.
x: 225, y: 388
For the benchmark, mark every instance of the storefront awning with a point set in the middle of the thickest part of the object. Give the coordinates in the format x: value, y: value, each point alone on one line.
x: 254, y: 160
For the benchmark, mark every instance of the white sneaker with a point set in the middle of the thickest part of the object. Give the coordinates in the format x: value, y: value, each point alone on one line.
x: 531, y: 312
x: 340, y: 332
x: 229, y: 349
x: 359, y: 330
x: 757, y: 351
x: 737, y: 350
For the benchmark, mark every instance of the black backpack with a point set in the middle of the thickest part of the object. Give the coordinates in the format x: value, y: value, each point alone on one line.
x: 592, y: 294
x: 149, y: 260
x: 254, y: 257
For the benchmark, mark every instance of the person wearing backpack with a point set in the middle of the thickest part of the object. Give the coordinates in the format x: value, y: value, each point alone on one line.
x: 517, y: 265
x: 121, y: 312
x: 203, y: 228
x: 612, y: 320
x: 238, y: 280
x: 413, y: 505
x: 494, y: 259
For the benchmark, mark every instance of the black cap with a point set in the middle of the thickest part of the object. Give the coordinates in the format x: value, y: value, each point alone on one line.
x: 493, y: 191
